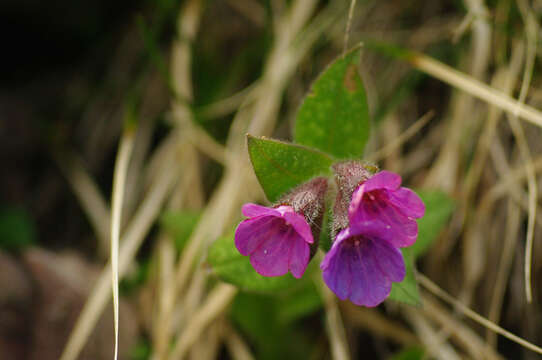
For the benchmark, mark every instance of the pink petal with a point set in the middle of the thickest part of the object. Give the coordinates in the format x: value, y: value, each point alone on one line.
x: 271, y: 257
x: 382, y: 180
x: 408, y: 202
x: 390, y: 223
x: 300, y: 225
x: 253, y: 210
x: 299, y: 256
x: 251, y: 233
x: 356, y: 202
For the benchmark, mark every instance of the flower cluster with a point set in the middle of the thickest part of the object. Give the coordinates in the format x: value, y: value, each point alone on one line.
x: 373, y: 216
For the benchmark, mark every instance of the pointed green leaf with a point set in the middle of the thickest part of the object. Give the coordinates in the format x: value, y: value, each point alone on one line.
x: 334, y: 116
x: 281, y: 166
x: 232, y: 267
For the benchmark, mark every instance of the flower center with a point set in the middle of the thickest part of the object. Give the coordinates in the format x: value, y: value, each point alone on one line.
x: 358, y: 241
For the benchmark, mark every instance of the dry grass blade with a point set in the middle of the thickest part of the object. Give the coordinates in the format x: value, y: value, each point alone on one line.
x: 119, y: 181
x: 474, y: 87
x: 436, y: 343
x: 469, y: 339
x: 89, y: 196
x: 531, y: 29
x: 227, y: 105
x: 407, y: 134
x: 348, y: 24
x: 441, y: 294
x: 132, y: 239
x: 519, y: 134
x: 507, y: 255
x: 260, y: 117
x: 219, y: 298
x: 237, y: 348
x: 378, y: 324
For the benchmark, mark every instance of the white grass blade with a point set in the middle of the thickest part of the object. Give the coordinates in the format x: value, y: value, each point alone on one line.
x: 119, y: 181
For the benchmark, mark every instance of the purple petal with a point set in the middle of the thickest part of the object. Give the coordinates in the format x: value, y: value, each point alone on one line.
x: 336, y: 268
x: 253, y: 210
x: 387, y: 259
x: 382, y: 180
x: 370, y: 286
x: 362, y: 268
x: 388, y: 222
x: 300, y: 225
x: 252, y: 232
x: 408, y: 202
x: 271, y: 257
x: 299, y: 256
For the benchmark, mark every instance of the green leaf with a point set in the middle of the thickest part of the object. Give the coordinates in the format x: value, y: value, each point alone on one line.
x: 141, y: 350
x: 134, y: 279
x: 258, y: 318
x: 234, y: 268
x: 334, y: 116
x: 411, y: 353
x: 407, y: 290
x: 179, y: 224
x: 301, y: 300
x: 438, y: 208
x: 17, y: 229
x: 281, y: 166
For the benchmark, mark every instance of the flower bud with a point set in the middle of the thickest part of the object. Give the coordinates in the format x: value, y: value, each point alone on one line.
x: 309, y: 199
x: 348, y: 176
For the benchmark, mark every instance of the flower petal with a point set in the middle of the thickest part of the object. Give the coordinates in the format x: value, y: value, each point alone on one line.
x: 336, y: 268
x: 387, y: 259
x: 251, y: 233
x: 253, y: 210
x: 387, y: 222
x: 271, y: 257
x: 300, y: 225
x: 370, y: 286
x: 408, y: 202
x: 299, y: 256
x: 382, y: 180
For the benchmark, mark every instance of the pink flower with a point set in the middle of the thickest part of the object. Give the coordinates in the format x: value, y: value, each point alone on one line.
x: 381, y: 200
x: 276, y: 239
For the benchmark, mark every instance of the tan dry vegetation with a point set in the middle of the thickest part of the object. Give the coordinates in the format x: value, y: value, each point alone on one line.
x: 471, y: 130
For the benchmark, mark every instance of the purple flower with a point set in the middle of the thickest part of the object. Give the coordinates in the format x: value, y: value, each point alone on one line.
x: 276, y: 239
x: 380, y: 199
x: 361, y: 266
x: 365, y: 260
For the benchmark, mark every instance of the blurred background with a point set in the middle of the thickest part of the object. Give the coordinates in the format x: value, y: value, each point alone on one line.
x: 192, y: 78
